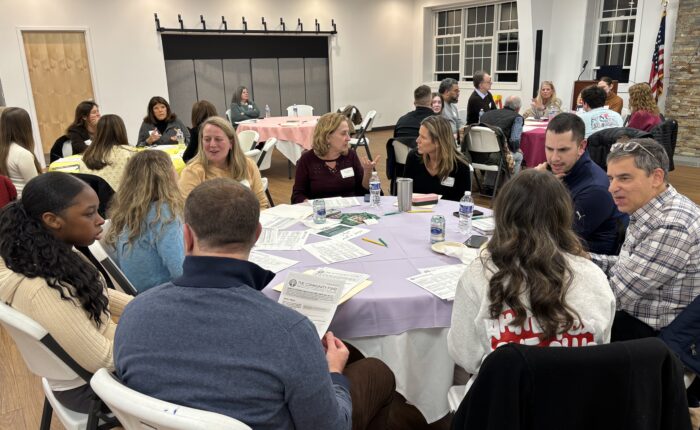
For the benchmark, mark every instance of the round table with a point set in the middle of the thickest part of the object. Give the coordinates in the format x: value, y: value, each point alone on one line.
x: 393, y: 319
x: 532, y: 142
x: 294, y: 134
x: 71, y: 163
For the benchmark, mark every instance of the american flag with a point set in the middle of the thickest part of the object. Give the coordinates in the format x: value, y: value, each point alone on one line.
x: 656, y: 77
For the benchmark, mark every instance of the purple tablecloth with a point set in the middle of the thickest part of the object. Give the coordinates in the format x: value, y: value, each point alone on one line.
x: 532, y: 145
x: 391, y: 305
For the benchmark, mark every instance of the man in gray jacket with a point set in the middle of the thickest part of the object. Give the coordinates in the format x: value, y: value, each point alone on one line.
x: 211, y: 340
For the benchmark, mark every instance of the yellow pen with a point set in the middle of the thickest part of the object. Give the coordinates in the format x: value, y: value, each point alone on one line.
x: 372, y: 241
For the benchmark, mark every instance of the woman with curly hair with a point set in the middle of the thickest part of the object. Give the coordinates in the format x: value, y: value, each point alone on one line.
x: 43, y: 277
x: 145, y: 234
x: 533, y: 283
x: 645, y: 113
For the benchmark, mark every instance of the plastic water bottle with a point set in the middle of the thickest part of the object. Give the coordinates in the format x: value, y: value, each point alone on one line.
x: 180, y: 137
x: 319, y: 211
x: 466, y: 209
x: 296, y: 110
x: 375, y: 189
x: 552, y: 112
x: 481, y: 112
x: 267, y: 111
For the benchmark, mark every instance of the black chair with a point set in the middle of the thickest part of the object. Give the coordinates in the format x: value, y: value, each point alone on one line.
x: 102, y: 188
x: 599, y: 143
x: 666, y: 135
x: 397, y: 149
x: 635, y: 384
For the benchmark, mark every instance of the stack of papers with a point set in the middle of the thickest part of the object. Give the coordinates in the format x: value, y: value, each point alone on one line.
x: 342, y: 232
x: 441, y: 281
x: 279, y: 240
x: 485, y: 225
x: 338, y: 202
x: 275, y: 222
x: 353, y: 282
x: 289, y: 211
x: 333, y: 251
x: 271, y: 262
x: 315, y: 297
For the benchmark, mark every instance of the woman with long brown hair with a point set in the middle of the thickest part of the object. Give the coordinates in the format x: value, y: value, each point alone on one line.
x: 17, y: 160
x: 533, y: 283
x: 145, y: 234
x: 107, y: 155
x: 82, y: 130
x: 201, y: 110
x: 435, y: 165
x: 160, y: 125
x: 645, y: 113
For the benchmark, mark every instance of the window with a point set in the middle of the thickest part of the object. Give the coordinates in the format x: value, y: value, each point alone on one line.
x: 616, y: 26
x: 489, y: 38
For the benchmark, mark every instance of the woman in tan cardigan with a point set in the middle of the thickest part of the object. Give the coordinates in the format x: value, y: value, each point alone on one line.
x: 221, y: 156
x: 42, y: 276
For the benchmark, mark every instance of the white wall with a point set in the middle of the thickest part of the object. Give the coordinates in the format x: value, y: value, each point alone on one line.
x: 370, y: 55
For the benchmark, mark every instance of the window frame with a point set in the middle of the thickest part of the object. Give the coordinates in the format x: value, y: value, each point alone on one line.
x: 464, y: 40
x: 636, y: 34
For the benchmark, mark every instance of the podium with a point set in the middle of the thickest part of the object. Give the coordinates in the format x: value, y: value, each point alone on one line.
x: 580, y: 85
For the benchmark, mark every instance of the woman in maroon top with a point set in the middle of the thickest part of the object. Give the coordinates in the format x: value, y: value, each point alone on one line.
x: 645, y: 113
x: 331, y: 168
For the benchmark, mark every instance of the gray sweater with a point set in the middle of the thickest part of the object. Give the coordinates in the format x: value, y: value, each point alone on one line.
x: 211, y: 340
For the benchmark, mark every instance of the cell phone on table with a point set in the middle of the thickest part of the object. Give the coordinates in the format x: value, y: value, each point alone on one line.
x: 475, y: 213
x: 475, y: 241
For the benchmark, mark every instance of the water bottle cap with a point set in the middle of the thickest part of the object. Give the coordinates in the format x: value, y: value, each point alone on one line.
x: 467, y: 193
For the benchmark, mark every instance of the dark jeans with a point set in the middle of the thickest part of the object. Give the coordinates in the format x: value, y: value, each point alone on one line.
x: 78, y: 399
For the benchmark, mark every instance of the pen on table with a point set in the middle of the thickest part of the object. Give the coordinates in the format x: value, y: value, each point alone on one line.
x: 391, y: 213
x: 383, y: 243
x: 481, y: 216
x: 372, y: 241
x: 418, y: 211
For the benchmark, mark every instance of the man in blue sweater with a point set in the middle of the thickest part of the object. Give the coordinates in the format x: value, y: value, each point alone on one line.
x: 596, y: 219
x: 211, y: 340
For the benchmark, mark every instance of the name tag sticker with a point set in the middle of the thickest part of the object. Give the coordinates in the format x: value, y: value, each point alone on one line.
x: 347, y: 172
x: 448, y: 182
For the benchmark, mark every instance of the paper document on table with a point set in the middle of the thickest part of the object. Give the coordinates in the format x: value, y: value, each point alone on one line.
x: 276, y: 222
x: 316, y: 227
x: 485, y: 225
x: 271, y: 262
x: 342, y: 232
x: 312, y: 296
x: 441, y: 282
x: 338, y: 202
x: 280, y: 240
x: 333, y: 251
x: 439, y: 268
x: 290, y: 211
x: 354, y: 282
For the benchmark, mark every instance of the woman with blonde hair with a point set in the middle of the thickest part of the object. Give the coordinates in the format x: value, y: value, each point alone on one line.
x: 17, y: 160
x: 331, y: 168
x: 220, y: 156
x: 544, y: 102
x: 533, y: 283
x: 145, y: 234
x: 108, y: 154
x: 645, y: 113
x: 435, y: 165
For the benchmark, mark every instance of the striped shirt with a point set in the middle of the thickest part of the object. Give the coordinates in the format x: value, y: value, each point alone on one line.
x: 657, y: 273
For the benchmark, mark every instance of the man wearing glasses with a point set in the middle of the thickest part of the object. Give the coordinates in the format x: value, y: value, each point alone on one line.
x: 481, y: 98
x: 657, y: 273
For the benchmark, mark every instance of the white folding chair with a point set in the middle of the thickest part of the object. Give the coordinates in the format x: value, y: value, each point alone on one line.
x: 248, y: 139
x: 484, y: 140
x: 302, y: 110
x: 137, y: 411
x: 228, y: 114
x: 401, y: 151
x: 45, y: 357
x: 361, y: 133
x: 119, y: 278
x: 264, y: 163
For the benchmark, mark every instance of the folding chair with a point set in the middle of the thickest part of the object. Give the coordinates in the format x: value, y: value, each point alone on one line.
x: 248, y: 139
x: 121, y: 282
x: 138, y: 411
x: 484, y: 140
x: 361, y: 133
x: 302, y: 110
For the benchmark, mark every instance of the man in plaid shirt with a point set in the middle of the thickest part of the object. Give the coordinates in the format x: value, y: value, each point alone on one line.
x: 657, y: 273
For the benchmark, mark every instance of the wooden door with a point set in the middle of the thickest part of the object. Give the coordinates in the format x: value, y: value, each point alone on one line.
x: 59, y: 72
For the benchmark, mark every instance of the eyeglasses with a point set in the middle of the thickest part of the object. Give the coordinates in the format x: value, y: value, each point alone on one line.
x: 631, y: 146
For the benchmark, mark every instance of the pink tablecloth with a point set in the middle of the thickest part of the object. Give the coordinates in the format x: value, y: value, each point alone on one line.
x: 282, y: 128
x: 532, y: 144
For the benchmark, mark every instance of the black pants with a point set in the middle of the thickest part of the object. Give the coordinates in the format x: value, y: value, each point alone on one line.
x: 78, y: 399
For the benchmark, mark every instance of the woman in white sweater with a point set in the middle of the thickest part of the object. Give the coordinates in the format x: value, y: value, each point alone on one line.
x: 533, y: 283
x: 17, y: 160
